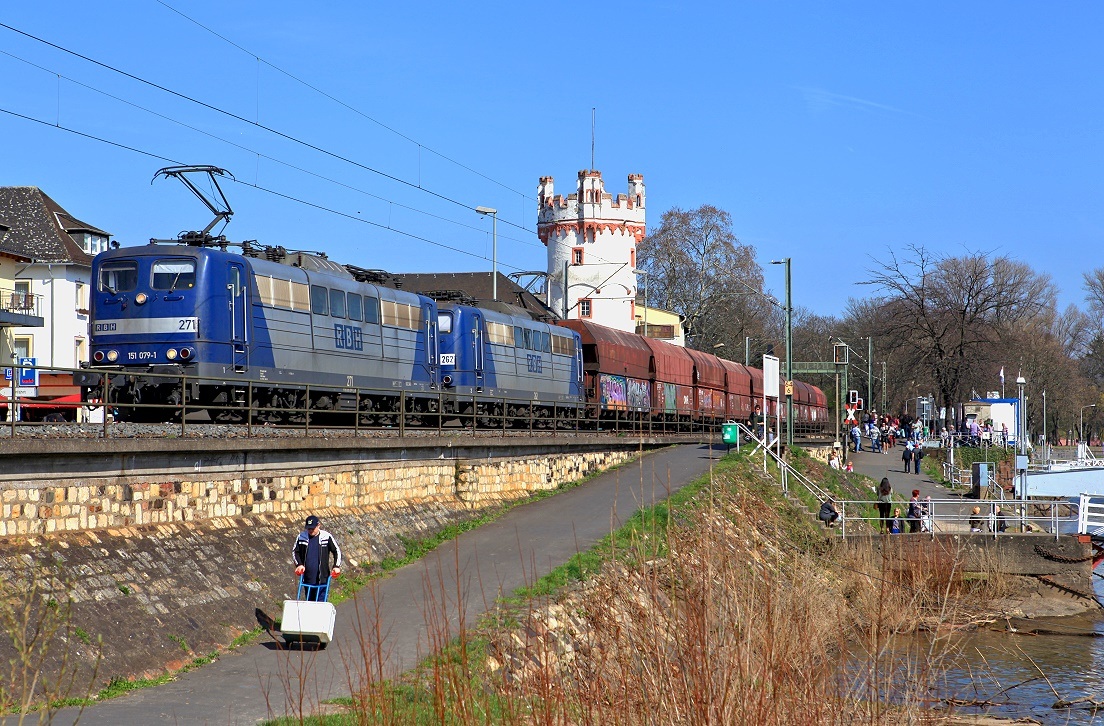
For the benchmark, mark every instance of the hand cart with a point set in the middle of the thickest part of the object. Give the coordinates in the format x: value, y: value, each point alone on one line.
x: 310, y: 617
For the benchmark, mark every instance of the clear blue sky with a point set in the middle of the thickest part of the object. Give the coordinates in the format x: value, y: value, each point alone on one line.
x: 830, y: 131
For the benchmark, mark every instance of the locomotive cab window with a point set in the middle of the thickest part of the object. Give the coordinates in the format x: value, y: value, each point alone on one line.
x: 371, y: 310
x: 236, y: 287
x: 356, y: 306
x: 320, y: 299
x: 546, y: 342
x: 444, y: 323
x: 116, y: 277
x: 528, y: 338
x: 519, y: 340
x: 337, y: 303
x: 174, y: 274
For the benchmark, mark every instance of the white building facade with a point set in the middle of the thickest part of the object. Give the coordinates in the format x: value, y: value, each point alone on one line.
x: 596, y: 236
x: 53, y: 281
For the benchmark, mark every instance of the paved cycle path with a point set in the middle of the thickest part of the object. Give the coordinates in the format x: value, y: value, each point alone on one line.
x: 459, y: 580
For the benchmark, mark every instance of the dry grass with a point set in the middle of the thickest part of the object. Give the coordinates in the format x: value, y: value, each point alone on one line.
x: 721, y: 613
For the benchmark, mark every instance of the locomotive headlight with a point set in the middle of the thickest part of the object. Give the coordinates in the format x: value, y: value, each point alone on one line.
x: 186, y: 353
x: 98, y: 356
x: 112, y: 356
x: 141, y: 298
x: 171, y: 353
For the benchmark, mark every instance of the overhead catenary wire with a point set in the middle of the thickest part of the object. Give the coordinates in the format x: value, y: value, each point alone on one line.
x: 266, y: 190
x: 259, y: 154
x: 263, y: 127
x: 242, y: 119
x: 343, y: 104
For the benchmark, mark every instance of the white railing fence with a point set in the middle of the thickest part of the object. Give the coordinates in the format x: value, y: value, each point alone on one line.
x: 1090, y: 518
x: 996, y: 517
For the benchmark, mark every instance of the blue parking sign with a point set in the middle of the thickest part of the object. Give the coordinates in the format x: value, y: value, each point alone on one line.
x: 28, y: 376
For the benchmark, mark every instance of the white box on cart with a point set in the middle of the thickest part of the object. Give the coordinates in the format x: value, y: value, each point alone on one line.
x: 311, y: 622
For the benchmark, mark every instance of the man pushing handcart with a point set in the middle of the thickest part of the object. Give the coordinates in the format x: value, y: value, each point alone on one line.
x: 310, y: 617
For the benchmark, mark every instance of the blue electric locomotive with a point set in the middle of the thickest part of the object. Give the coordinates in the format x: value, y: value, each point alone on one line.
x: 188, y: 325
x: 497, y: 366
x: 290, y: 331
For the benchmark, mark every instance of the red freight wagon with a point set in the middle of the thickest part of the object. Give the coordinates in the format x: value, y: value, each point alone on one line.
x: 672, y: 381
x: 738, y: 390
x: 617, y: 368
x: 800, y: 404
x: 709, y: 384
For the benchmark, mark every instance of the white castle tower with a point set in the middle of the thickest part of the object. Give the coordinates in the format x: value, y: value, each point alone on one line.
x: 596, y: 235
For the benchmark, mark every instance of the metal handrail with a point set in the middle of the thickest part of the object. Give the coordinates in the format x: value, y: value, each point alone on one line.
x: 1090, y: 518
x: 949, y: 511
x: 786, y: 470
x: 17, y: 301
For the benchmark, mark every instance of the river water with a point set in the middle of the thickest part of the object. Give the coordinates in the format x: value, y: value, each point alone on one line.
x: 1072, y: 663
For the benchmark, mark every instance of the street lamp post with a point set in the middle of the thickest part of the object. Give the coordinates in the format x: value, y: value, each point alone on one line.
x: 645, y: 274
x: 789, y: 353
x: 1046, y: 441
x: 1021, y: 443
x: 1082, y: 435
x: 494, y: 248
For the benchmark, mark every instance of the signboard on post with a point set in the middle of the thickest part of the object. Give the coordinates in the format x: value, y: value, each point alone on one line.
x: 770, y: 376
x: 28, y: 375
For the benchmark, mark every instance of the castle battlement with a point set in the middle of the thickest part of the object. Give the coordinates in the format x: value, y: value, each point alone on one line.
x: 591, y: 191
x: 595, y: 234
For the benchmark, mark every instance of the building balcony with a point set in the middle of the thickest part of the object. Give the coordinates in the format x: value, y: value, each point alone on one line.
x: 20, y: 309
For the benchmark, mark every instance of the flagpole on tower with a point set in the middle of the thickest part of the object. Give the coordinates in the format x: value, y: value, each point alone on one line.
x: 1002, y: 381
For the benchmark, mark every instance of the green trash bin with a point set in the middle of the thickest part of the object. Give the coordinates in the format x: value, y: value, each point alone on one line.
x: 730, y: 434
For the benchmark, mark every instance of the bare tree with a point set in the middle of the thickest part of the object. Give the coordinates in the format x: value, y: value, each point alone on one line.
x: 1094, y: 292
x: 945, y: 316
x: 698, y: 268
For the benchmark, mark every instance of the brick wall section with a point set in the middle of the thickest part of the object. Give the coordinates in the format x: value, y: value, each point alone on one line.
x: 109, y: 504
x: 202, y: 560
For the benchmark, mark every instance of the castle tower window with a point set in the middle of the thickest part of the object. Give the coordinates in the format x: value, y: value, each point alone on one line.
x: 585, y: 310
x: 576, y: 255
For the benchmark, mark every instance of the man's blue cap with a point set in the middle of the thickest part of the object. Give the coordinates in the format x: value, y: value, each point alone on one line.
x: 312, y: 522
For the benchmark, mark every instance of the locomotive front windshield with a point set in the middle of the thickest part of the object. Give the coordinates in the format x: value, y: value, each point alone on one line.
x: 116, y: 277
x: 174, y: 275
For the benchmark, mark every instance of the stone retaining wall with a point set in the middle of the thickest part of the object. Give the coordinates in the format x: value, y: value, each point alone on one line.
x: 110, y: 503
x: 166, y: 568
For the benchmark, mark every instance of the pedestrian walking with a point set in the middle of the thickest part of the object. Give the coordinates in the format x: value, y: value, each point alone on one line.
x: 906, y: 456
x: 312, y: 551
x: 917, y: 455
x: 885, y: 502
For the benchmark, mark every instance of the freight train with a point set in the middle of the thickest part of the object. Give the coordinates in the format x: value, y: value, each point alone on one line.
x: 286, y: 334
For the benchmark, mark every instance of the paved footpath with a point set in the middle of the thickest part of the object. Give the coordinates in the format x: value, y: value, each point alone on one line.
x: 877, y: 466
x: 460, y: 579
